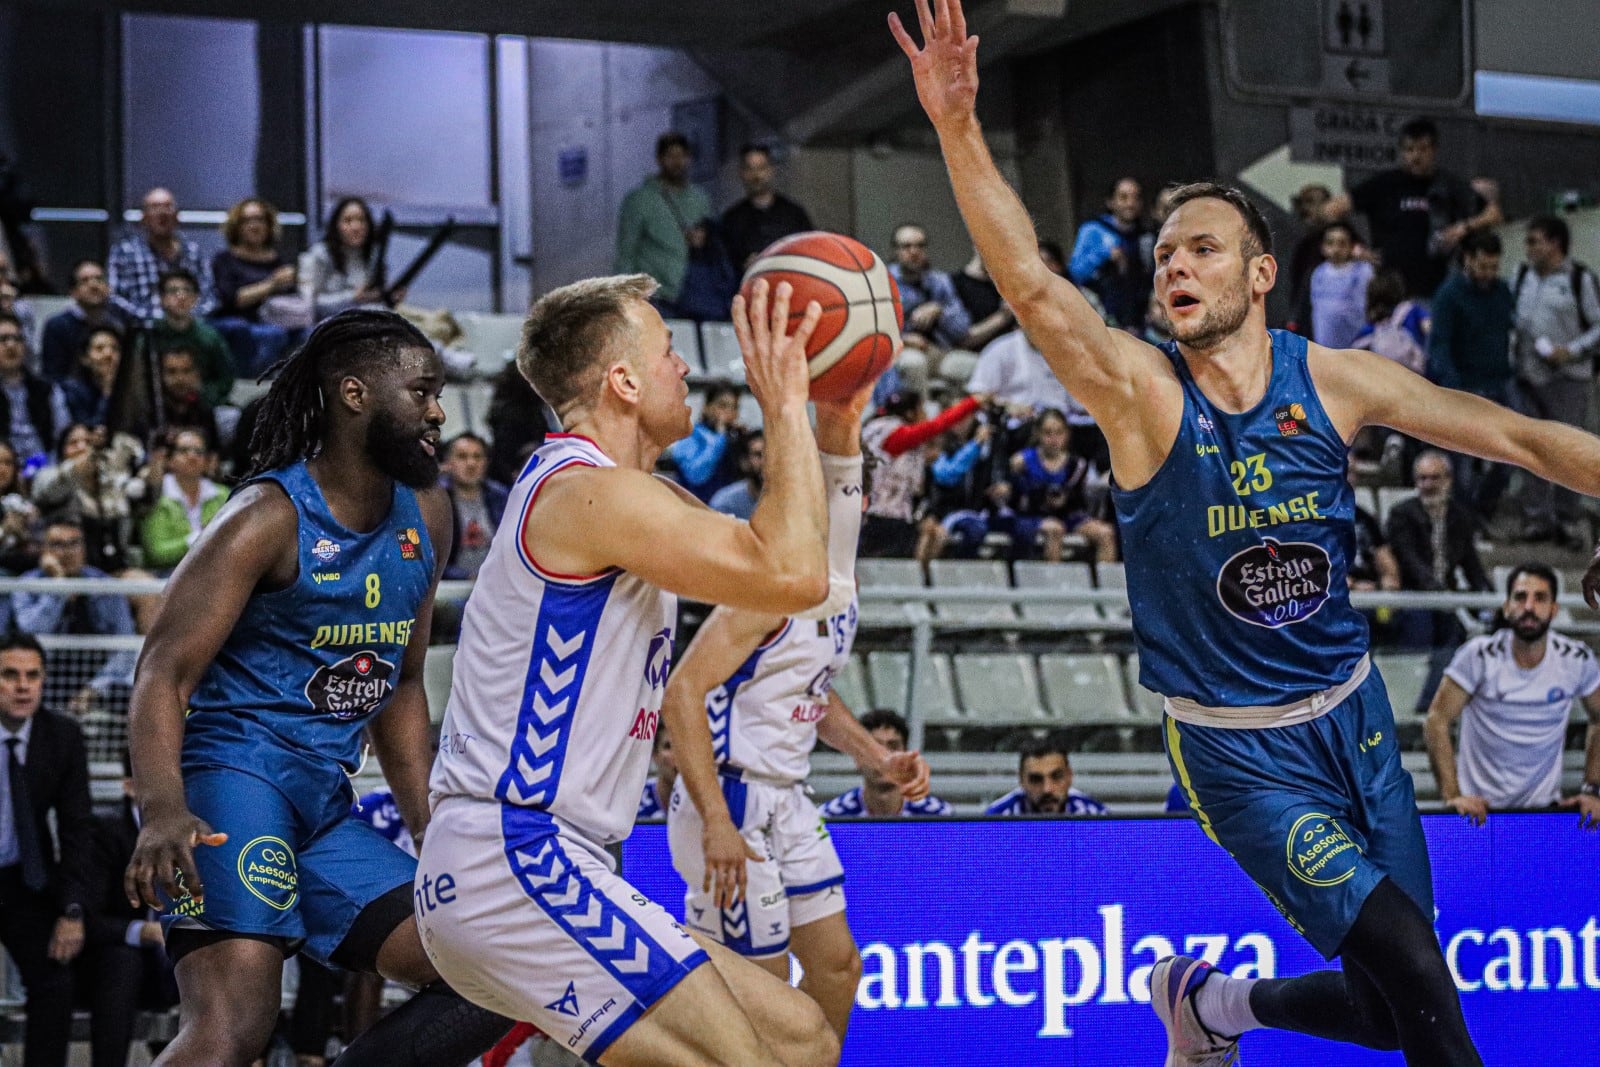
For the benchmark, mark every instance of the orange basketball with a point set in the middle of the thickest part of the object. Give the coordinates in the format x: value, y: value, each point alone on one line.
x: 859, y: 333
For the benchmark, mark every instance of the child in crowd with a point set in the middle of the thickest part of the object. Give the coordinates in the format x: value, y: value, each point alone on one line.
x: 1339, y: 289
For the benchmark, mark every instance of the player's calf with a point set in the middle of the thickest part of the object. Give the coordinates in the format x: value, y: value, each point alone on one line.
x: 832, y: 964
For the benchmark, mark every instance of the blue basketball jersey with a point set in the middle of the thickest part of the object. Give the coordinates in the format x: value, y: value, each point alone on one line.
x: 1237, y: 548
x: 306, y: 666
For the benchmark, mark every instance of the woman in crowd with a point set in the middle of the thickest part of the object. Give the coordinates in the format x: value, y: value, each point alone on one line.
x: 257, y: 311
x: 337, y: 272
x: 189, y: 499
x: 1048, y: 493
x: 93, y: 483
x: 88, y: 391
x: 19, y: 519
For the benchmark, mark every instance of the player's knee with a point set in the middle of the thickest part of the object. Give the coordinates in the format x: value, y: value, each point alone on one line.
x: 838, y: 966
x: 236, y: 1039
x: 814, y: 1044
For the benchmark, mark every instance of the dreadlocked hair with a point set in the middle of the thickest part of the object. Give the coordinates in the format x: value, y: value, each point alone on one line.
x: 291, y: 423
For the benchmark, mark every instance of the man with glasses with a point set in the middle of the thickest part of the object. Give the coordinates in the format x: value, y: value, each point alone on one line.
x: 138, y: 262
x: 66, y: 332
x: 32, y: 410
x: 935, y: 315
x: 79, y: 680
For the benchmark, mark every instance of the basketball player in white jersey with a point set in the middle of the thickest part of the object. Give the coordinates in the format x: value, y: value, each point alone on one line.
x: 557, y: 688
x: 1513, y: 690
x: 746, y: 704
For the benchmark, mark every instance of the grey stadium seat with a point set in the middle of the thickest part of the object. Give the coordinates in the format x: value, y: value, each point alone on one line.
x: 1038, y: 574
x: 892, y: 572
x: 935, y: 689
x: 1405, y: 673
x: 686, y: 340
x: 972, y: 574
x: 851, y: 685
x: 999, y: 688
x: 1085, y: 689
x: 1146, y: 705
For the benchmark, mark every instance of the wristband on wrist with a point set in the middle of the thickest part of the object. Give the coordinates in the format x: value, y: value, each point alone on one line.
x: 1590, y: 789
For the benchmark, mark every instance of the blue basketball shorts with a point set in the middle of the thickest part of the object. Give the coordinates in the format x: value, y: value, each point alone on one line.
x: 280, y: 875
x: 1317, y: 813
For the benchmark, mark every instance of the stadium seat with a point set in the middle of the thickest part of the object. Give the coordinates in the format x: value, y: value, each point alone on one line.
x: 1112, y: 576
x: 719, y: 351
x: 436, y: 678
x: 1367, y: 499
x: 935, y: 699
x: 851, y: 685
x: 972, y: 574
x: 998, y: 689
x: 881, y: 572
x: 1144, y: 703
x: 1405, y: 674
x: 1388, y: 497
x: 492, y: 338
x: 686, y: 340
x: 1085, y: 689
x: 750, y: 416
x: 1038, y: 574
x: 457, y: 412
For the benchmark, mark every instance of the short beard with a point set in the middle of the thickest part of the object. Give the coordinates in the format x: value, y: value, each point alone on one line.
x: 1221, y: 321
x: 1516, y: 628
x: 398, y: 453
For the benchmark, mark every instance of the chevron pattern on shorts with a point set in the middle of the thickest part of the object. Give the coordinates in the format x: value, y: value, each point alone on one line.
x: 548, y: 875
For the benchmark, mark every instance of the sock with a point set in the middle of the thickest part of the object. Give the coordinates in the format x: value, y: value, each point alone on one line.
x: 435, y: 1028
x: 1222, y: 1005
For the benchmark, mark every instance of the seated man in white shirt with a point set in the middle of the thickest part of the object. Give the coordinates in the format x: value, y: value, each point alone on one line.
x: 1513, y: 690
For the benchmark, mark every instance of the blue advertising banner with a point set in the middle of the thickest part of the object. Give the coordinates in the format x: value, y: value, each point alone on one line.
x: 1031, y: 941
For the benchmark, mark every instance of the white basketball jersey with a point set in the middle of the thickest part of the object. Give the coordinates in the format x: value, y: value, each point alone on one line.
x: 764, y: 718
x: 1515, y: 724
x: 557, y: 684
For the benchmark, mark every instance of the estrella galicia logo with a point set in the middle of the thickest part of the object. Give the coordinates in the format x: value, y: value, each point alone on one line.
x: 566, y: 1004
x: 353, y: 687
x: 326, y: 550
x: 1275, y: 583
x: 658, y: 660
x: 267, y: 869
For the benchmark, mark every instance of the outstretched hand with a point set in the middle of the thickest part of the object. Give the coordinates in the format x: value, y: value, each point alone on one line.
x: 909, y: 771
x: 1591, y: 581
x: 775, y: 364
x: 946, y: 66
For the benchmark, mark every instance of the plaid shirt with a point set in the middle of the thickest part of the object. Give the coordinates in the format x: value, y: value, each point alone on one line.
x: 134, y: 272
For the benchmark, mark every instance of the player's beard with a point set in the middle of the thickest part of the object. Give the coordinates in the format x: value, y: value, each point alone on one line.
x: 397, y: 451
x: 1221, y: 320
x: 1530, y: 629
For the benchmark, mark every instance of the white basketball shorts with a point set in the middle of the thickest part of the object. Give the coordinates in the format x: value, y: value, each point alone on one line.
x: 528, y: 919
x: 799, y: 882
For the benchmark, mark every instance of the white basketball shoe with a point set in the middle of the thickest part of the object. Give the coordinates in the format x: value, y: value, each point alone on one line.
x: 1173, y: 983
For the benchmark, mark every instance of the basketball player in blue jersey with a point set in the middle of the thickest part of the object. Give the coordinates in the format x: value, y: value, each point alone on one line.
x: 1228, y: 447
x: 296, y: 623
x: 746, y: 704
x: 558, y: 682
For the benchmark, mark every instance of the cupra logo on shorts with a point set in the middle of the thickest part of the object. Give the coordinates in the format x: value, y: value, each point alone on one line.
x: 267, y: 869
x: 1320, y: 852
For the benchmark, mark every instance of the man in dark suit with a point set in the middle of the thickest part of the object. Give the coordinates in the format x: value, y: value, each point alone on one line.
x: 44, y: 883
x: 123, y: 967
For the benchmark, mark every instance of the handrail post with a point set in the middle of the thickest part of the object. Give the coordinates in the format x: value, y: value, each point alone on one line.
x: 921, y: 651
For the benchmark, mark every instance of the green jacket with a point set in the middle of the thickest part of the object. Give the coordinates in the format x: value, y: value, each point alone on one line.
x: 216, y: 363
x: 165, y: 531
x: 650, y: 232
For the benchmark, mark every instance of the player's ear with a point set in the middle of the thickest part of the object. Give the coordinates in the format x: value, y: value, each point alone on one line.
x: 352, y: 393
x: 1263, y: 273
x: 624, y: 380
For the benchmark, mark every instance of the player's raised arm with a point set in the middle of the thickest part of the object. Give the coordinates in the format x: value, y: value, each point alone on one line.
x: 1097, y: 365
x: 400, y: 734
x: 252, y: 542
x: 593, y: 518
x: 1362, y: 389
